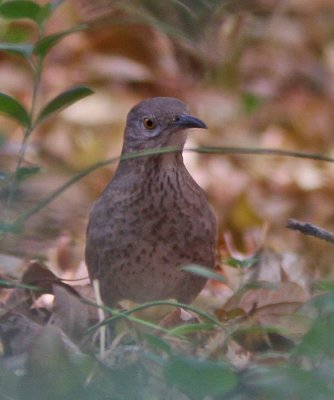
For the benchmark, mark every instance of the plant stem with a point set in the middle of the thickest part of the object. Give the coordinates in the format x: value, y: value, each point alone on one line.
x: 37, y: 71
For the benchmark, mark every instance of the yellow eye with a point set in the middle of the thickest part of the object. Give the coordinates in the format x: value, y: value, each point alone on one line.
x: 149, y: 123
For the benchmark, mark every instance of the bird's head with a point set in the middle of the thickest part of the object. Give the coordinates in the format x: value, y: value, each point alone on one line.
x: 158, y: 122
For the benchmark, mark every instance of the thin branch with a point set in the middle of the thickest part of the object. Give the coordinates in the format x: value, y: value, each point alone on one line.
x: 310, y: 229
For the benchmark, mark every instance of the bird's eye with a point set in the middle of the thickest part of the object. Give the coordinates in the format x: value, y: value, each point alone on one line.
x: 149, y: 123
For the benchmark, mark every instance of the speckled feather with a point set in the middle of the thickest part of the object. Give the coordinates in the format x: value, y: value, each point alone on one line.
x: 152, y: 218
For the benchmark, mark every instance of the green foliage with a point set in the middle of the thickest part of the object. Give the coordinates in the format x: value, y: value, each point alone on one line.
x: 200, y: 378
x: 62, y: 101
x: 204, y: 272
x: 34, y: 54
x: 23, y: 173
x: 243, y: 264
x: 45, y: 44
x: 12, y: 108
x: 24, y: 9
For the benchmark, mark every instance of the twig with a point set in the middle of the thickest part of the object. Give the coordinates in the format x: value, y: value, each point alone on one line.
x: 310, y: 229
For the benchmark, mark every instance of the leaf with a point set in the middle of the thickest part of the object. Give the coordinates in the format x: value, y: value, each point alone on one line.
x: 63, y: 100
x: 22, y: 9
x: 43, y: 46
x: 190, y: 329
x: 157, y: 343
x: 26, y: 172
x: 324, y: 303
x: 204, y: 272
x: 317, y: 343
x: 246, y: 263
x: 200, y: 378
x: 12, y: 108
x: 23, y: 49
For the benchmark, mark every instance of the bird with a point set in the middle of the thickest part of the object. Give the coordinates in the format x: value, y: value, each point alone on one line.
x: 152, y: 218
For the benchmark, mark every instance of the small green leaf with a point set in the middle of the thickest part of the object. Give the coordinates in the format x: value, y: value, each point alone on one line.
x: 43, y: 46
x: 21, y: 9
x: 44, y: 14
x: 157, y: 343
x: 204, y: 272
x: 324, y: 303
x: 26, y: 172
x: 190, y: 329
x: 63, y: 100
x: 200, y: 378
x: 23, y: 49
x: 317, y: 343
x: 245, y: 263
x: 12, y: 108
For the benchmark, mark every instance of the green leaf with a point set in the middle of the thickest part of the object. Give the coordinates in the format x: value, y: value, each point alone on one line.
x: 26, y: 172
x: 204, y: 272
x: 44, y: 45
x: 63, y: 100
x: 190, y: 329
x: 44, y: 14
x: 246, y: 263
x: 23, y: 49
x: 21, y: 9
x: 157, y: 343
x: 324, y: 303
x: 12, y: 108
x: 317, y: 343
x: 200, y: 378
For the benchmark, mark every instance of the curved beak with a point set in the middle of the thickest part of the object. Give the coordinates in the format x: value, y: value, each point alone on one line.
x: 188, y: 121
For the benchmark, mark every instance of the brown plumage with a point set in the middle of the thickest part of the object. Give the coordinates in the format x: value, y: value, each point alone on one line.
x: 152, y: 218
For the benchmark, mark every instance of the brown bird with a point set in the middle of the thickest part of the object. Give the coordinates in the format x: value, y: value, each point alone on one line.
x: 152, y: 218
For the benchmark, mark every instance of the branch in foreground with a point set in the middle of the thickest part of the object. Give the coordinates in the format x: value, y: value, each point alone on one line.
x: 311, y: 230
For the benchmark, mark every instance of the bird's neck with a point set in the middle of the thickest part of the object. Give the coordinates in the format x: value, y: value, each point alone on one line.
x: 153, y: 164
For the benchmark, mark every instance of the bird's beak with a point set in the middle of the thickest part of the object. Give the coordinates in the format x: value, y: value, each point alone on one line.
x: 188, y: 121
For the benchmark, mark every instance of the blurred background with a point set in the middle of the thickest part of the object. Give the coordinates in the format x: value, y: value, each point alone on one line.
x: 260, y: 73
